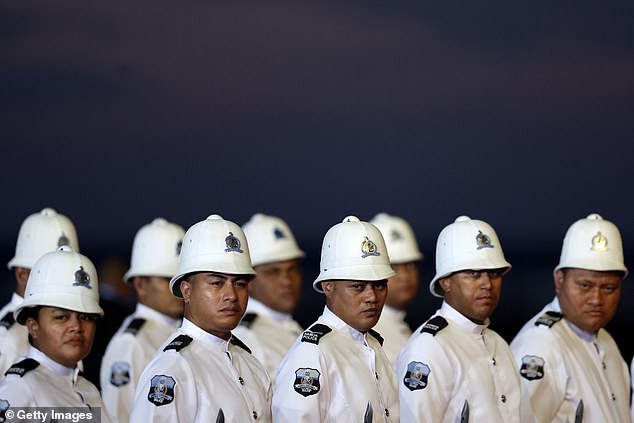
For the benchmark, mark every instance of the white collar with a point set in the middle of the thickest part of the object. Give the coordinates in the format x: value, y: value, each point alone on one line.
x: 16, y: 300
x: 332, y: 320
x: 202, y: 335
x: 257, y: 307
x: 151, y: 314
x: 586, y: 336
x: 461, y: 320
x: 393, y: 313
x: 53, y: 365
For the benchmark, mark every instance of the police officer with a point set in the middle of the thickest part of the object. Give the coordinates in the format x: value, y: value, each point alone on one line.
x: 203, y: 373
x: 571, y: 369
x: 337, y: 371
x: 154, y: 261
x: 40, y: 233
x: 453, y: 368
x: 268, y: 327
x: 404, y: 256
x: 60, y: 310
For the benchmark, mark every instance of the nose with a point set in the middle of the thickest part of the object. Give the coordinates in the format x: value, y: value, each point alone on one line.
x: 229, y: 292
x: 74, y: 323
x: 485, y: 281
x: 370, y: 293
x: 596, y: 296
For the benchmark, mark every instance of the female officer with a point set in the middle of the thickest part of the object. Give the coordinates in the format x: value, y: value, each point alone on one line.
x: 60, y: 309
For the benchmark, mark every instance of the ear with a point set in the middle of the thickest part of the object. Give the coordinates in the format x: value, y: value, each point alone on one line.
x: 186, y: 290
x: 21, y: 277
x: 445, y: 284
x: 33, y: 327
x: 559, y: 277
x: 139, y: 283
x: 328, y: 287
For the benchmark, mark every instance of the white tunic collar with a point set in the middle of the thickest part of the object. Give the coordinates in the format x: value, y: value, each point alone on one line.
x: 257, y: 307
x: 53, y: 365
x: 199, y: 334
x: 586, y: 336
x: 332, y: 320
x: 16, y: 300
x: 461, y: 320
x: 151, y: 314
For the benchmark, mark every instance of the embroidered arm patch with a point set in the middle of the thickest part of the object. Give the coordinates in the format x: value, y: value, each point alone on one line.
x: 306, y: 381
x: 416, y: 375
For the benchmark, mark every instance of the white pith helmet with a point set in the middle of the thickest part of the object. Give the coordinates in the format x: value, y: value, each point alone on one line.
x: 270, y: 240
x: 63, y: 279
x: 155, y: 250
x: 41, y: 233
x: 466, y: 244
x: 213, y: 245
x: 593, y: 244
x: 399, y: 238
x: 353, y: 250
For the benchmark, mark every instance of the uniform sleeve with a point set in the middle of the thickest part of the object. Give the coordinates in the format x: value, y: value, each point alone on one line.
x: 543, y: 377
x: 10, y: 353
x: 425, y: 379
x: 301, y: 393
x: 121, y: 368
x: 16, y: 392
x: 166, y: 391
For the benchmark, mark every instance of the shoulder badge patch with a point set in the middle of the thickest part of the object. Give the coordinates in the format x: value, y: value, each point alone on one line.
x: 120, y: 373
x: 376, y: 335
x: 315, y: 332
x: 4, y: 406
x: 134, y: 326
x: 7, y: 321
x: 180, y: 342
x: 416, y: 375
x: 22, y: 367
x: 161, y: 390
x: 549, y: 318
x: 306, y: 381
x: 248, y: 319
x: 532, y: 367
x: 235, y: 341
x: 434, y: 325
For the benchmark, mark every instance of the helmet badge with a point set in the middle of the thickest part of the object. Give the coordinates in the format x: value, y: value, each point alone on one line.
x: 278, y: 234
x: 82, y: 278
x: 599, y: 242
x: 396, y: 235
x: 368, y: 248
x: 233, y: 244
x: 63, y: 240
x: 483, y: 241
x: 179, y: 247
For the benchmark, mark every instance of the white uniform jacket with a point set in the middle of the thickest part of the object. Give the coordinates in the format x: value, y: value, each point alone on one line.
x: 268, y: 333
x: 334, y: 373
x: 128, y: 352
x: 38, y: 381
x: 395, y: 332
x: 454, y: 370
x: 14, y: 342
x: 569, y: 375
x: 198, y: 377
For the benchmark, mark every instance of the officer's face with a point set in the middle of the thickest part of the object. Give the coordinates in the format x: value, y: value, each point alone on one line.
x: 474, y: 293
x: 588, y: 298
x: 403, y: 286
x: 215, y: 302
x: 358, y: 303
x: 278, y: 285
x: 63, y: 335
x: 155, y: 293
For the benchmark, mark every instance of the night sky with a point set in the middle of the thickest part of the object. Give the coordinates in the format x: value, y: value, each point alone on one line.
x: 117, y: 112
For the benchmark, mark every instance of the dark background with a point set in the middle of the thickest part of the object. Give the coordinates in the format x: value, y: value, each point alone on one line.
x: 117, y: 112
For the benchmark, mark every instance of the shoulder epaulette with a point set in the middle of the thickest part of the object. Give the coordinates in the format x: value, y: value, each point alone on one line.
x: 549, y: 318
x: 7, y: 320
x: 315, y: 332
x: 376, y: 335
x: 434, y: 325
x: 22, y: 367
x: 178, y: 343
x: 134, y: 326
x: 248, y: 319
x: 235, y: 341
